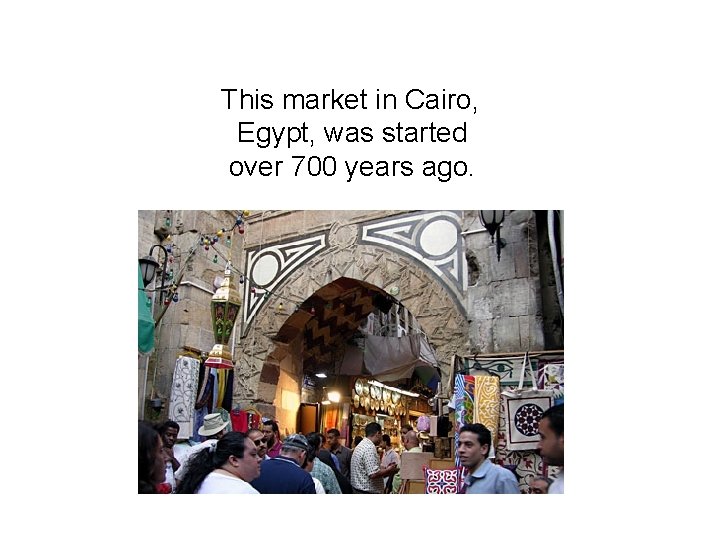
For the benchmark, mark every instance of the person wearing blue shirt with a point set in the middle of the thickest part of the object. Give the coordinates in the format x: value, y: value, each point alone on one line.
x: 483, y: 476
x: 284, y: 474
x: 552, y: 443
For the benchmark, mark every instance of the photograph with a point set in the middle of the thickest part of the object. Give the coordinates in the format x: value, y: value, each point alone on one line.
x: 350, y: 351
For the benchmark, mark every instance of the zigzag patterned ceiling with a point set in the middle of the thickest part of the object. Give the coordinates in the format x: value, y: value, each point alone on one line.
x: 330, y: 317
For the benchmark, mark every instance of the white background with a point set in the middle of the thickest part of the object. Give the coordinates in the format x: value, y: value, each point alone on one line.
x: 608, y: 110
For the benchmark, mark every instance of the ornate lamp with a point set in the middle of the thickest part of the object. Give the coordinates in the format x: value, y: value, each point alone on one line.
x: 148, y: 267
x: 225, y: 306
x: 491, y: 220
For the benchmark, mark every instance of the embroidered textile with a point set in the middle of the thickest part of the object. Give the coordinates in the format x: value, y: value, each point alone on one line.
x: 182, y: 395
x: 523, y: 417
x: 442, y: 480
x: 464, y: 405
x: 510, y: 372
x: 487, y: 403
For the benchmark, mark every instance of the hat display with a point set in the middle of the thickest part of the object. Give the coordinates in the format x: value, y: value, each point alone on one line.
x: 212, y: 423
x: 296, y: 441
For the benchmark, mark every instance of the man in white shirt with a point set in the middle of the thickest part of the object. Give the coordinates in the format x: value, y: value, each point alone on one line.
x: 552, y: 443
x: 366, y: 475
x: 389, y: 456
x: 213, y: 428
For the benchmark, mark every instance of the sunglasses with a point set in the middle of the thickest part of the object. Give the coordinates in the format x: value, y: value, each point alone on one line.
x: 259, y: 442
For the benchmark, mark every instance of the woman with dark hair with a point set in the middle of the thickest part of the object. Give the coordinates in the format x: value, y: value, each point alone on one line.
x: 151, y: 459
x: 227, y: 467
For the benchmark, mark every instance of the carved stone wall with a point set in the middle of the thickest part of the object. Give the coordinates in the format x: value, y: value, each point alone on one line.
x: 440, y: 265
x: 437, y: 312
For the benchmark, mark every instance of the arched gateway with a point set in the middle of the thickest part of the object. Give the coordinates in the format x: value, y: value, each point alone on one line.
x: 305, y: 296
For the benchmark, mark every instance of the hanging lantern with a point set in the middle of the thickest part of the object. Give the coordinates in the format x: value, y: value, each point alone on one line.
x: 491, y: 220
x: 225, y: 306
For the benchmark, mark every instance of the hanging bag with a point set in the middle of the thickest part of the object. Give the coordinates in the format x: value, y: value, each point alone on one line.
x: 523, y: 408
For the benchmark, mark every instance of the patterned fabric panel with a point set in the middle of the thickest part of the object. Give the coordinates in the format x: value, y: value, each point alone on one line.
x: 182, y: 394
x: 523, y: 417
x: 487, y: 403
x: 551, y: 376
x: 464, y: 405
x: 442, y: 481
x: 508, y: 371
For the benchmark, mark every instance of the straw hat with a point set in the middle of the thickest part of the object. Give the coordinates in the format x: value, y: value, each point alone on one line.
x: 212, y: 423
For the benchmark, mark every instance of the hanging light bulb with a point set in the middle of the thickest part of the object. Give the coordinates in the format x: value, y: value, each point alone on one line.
x: 176, y: 297
x: 215, y: 258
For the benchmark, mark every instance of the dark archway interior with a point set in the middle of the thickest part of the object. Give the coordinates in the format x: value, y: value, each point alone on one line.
x: 330, y: 317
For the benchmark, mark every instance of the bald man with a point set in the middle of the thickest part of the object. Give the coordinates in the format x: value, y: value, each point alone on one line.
x: 411, y: 444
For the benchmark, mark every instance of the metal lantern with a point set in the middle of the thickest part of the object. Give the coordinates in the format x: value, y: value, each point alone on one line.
x: 491, y: 220
x: 149, y: 266
x: 225, y: 306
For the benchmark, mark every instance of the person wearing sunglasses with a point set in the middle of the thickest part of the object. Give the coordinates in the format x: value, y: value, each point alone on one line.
x: 258, y: 437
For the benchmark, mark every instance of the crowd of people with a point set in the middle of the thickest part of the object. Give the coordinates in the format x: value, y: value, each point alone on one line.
x: 259, y: 461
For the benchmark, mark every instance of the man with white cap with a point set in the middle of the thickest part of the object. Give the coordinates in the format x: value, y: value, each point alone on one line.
x: 284, y: 474
x: 213, y: 428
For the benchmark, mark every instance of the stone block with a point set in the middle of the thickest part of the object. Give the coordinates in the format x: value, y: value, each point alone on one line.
x: 518, y: 217
x: 505, y: 267
x: 506, y: 334
x: 531, y: 333
x: 481, y: 335
x: 522, y: 264
x: 206, y: 340
x: 480, y: 303
x: 266, y: 392
x: 270, y: 374
x: 510, y: 298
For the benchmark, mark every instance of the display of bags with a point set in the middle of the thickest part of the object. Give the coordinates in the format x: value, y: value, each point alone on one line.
x: 523, y: 408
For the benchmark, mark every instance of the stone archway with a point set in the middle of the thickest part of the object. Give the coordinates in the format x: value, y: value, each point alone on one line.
x: 309, y: 264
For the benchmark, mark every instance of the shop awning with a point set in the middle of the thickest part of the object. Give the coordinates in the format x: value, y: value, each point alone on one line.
x: 146, y: 324
x: 390, y: 359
